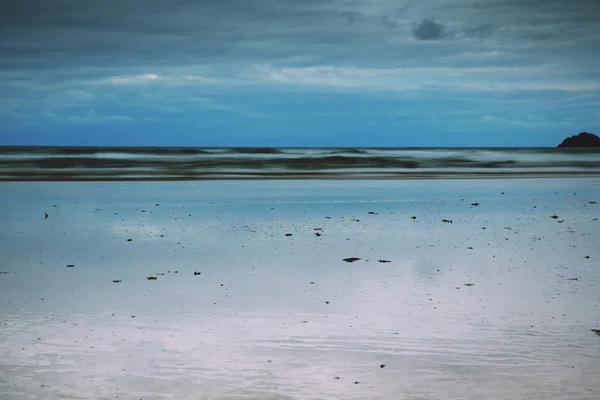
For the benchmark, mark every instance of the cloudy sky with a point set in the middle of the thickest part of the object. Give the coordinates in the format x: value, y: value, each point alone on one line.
x: 298, y: 72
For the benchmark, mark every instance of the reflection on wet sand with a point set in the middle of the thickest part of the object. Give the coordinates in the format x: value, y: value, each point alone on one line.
x: 499, y: 304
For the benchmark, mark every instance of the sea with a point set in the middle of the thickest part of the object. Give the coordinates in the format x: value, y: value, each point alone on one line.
x: 20, y: 163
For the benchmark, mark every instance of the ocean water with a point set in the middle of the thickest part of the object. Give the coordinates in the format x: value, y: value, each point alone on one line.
x: 499, y: 304
x: 147, y: 163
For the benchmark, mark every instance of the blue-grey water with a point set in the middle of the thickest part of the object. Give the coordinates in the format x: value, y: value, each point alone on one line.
x: 147, y: 163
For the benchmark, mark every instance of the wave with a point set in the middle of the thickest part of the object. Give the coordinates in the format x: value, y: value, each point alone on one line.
x: 255, y: 150
x: 64, y: 163
x: 350, y: 151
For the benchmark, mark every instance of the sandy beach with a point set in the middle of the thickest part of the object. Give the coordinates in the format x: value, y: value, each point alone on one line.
x: 491, y: 291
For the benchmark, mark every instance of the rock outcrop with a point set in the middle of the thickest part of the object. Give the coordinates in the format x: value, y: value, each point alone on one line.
x: 584, y: 139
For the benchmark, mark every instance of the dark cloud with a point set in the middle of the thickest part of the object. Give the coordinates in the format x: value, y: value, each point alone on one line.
x: 429, y: 29
x: 105, y: 37
x: 123, y: 32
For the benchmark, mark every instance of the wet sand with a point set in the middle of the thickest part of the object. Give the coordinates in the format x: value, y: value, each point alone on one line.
x: 249, y: 302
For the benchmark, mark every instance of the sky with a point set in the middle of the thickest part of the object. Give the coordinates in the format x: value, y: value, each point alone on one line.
x: 448, y: 73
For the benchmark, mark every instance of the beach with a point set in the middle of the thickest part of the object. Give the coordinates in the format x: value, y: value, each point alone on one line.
x: 451, y: 289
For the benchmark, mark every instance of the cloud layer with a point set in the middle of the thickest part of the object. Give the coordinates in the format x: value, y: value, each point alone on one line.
x: 235, y: 64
